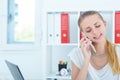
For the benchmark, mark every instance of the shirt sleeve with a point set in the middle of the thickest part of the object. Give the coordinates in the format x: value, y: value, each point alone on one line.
x: 76, y: 57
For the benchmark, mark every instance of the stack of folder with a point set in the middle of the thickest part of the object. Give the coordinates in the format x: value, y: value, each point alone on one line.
x: 62, y: 28
x: 58, y: 28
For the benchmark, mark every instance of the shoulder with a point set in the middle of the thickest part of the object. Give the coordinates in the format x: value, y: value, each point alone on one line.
x: 76, y: 56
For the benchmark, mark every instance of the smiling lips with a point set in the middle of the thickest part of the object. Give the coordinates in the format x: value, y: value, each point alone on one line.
x: 98, y: 37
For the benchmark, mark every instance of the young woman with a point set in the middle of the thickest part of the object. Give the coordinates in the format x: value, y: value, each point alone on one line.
x: 87, y: 64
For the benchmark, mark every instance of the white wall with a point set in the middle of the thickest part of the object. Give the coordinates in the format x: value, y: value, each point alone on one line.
x: 75, y: 5
x: 28, y: 57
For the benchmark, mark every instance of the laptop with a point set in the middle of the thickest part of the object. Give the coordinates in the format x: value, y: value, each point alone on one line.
x: 15, y: 71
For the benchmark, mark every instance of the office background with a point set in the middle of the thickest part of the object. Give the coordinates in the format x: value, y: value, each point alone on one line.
x: 31, y: 58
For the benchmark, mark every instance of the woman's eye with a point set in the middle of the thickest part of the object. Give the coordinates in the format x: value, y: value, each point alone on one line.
x: 98, y: 26
x: 88, y: 31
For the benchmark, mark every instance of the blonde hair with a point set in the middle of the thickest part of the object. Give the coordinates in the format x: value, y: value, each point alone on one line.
x: 113, y: 58
x: 112, y: 55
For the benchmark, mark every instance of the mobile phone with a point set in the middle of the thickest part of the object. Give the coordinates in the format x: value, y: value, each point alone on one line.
x: 91, y: 43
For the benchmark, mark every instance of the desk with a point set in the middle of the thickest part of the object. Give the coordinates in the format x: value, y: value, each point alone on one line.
x: 57, y: 77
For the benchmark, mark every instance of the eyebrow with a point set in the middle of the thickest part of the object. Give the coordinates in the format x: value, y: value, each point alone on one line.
x: 95, y: 23
x: 89, y: 26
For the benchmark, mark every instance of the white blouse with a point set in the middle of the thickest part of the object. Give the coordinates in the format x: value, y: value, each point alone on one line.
x: 105, y: 73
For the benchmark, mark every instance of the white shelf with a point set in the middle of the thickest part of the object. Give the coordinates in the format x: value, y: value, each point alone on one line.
x: 53, y: 76
x: 71, y: 44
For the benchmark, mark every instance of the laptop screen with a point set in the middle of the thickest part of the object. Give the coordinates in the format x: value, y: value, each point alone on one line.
x: 15, y: 71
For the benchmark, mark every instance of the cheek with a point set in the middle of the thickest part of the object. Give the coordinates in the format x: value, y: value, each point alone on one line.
x: 104, y: 30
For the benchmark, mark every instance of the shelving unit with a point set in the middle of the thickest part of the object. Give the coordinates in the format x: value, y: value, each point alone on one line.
x: 59, y: 51
x: 56, y: 50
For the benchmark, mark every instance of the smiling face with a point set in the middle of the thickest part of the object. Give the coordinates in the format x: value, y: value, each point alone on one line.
x: 94, y: 28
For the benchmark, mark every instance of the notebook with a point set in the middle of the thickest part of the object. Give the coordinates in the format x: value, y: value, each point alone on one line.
x: 15, y: 71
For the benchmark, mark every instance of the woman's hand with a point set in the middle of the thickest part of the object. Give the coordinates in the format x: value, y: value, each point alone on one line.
x: 85, y: 47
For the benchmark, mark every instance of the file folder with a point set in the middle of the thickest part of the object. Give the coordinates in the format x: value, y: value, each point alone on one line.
x: 57, y: 27
x: 117, y: 27
x: 50, y: 28
x: 64, y: 28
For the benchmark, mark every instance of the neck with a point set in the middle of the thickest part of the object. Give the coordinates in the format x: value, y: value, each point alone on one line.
x: 100, y: 47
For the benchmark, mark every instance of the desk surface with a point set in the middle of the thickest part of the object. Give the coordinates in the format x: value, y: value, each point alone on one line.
x: 54, y: 76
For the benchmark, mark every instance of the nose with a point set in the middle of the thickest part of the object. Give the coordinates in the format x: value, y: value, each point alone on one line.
x: 94, y: 31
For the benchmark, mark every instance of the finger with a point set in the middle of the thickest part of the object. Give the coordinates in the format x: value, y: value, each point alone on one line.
x: 82, y: 39
x: 84, y: 42
x: 88, y: 45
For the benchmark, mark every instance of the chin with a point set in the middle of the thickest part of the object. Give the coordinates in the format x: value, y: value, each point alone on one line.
x: 100, y: 39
